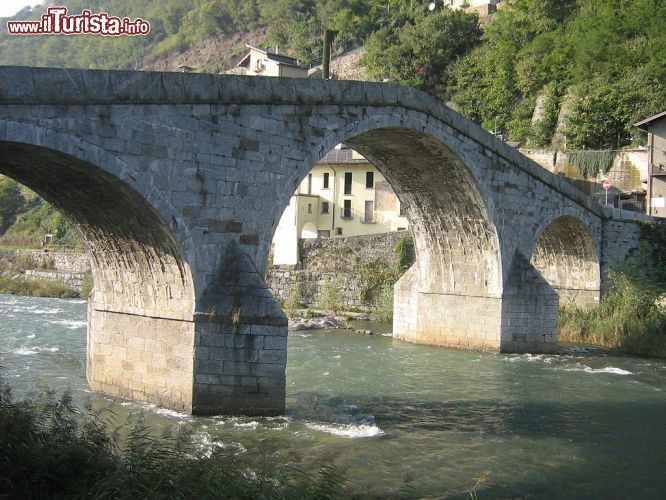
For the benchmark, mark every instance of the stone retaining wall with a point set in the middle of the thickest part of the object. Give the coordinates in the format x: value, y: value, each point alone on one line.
x: 310, y: 283
x: 342, y: 254
x: 333, y: 259
x: 68, y: 268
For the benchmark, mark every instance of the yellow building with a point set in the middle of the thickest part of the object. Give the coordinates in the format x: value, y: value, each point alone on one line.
x: 343, y: 195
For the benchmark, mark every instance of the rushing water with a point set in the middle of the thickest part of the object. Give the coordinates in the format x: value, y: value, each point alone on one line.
x: 407, y: 420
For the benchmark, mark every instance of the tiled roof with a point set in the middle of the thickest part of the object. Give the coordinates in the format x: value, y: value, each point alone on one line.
x: 340, y: 156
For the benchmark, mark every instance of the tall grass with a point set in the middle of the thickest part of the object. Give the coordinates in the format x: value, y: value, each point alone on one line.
x: 628, y: 317
x: 36, y: 288
x: 51, y: 449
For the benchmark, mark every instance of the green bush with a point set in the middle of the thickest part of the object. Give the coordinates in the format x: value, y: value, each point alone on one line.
x: 628, y: 317
x: 329, y: 297
x: 49, y: 448
x: 383, y: 307
x: 404, y: 253
x: 87, y: 286
x: 292, y: 301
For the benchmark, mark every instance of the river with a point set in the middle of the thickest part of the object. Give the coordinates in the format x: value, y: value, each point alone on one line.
x: 412, y: 421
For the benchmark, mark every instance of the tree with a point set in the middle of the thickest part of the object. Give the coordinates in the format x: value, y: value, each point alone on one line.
x: 10, y: 201
x: 420, y: 54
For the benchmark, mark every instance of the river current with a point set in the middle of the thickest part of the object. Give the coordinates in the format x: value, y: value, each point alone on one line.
x: 403, y: 420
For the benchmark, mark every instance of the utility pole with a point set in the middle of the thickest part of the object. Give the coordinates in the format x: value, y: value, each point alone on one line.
x: 329, y: 35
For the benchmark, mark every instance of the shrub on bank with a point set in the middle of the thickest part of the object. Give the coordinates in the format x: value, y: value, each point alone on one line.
x: 87, y: 286
x: 329, y: 297
x: 383, y: 307
x: 628, y: 317
x: 49, y: 448
x: 36, y: 288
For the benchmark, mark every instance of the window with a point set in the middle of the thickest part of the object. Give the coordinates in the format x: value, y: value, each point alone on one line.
x: 348, y: 182
x: 338, y: 231
x: 309, y: 208
x: 369, y: 179
x: 324, y: 207
x: 346, y: 211
x: 326, y: 180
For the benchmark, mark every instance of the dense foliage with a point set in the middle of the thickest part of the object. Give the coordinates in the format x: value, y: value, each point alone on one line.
x: 420, y: 52
x: 10, y: 202
x: 25, y: 218
x: 49, y: 448
x: 601, y: 59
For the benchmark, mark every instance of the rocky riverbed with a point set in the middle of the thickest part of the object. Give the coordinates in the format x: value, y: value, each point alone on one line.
x: 328, y: 322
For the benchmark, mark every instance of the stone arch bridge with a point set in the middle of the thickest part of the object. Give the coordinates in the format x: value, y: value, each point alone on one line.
x: 177, y: 182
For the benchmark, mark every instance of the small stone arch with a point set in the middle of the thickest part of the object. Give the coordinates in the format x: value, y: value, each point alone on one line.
x: 565, y: 254
x: 308, y: 231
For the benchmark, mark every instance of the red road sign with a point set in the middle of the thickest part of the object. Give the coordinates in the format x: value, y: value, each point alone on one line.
x: 606, y: 185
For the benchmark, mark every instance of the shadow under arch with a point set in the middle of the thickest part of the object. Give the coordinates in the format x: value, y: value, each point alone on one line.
x: 566, y: 255
x: 143, y: 300
x: 452, y: 295
x: 455, y: 238
x: 137, y: 265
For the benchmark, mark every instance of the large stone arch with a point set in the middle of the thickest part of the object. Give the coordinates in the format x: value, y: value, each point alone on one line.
x: 140, y: 336
x: 455, y: 286
x: 567, y: 256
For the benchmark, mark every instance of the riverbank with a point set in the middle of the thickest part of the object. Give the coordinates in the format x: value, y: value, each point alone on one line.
x: 631, y: 318
x: 14, y: 285
x: 43, y: 273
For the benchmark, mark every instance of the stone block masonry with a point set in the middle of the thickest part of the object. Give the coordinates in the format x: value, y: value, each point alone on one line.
x: 335, y: 260
x: 342, y: 254
x: 177, y: 182
x: 68, y: 268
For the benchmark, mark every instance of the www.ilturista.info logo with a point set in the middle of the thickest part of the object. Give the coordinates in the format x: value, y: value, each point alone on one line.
x: 57, y: 22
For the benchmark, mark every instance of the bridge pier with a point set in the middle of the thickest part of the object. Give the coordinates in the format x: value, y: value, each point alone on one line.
x: 445, y: 319
x: 241, y: 343
x: 142, y: 358
x: 230, y: 358
x: 530, y: 311
x: 523, y: 319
